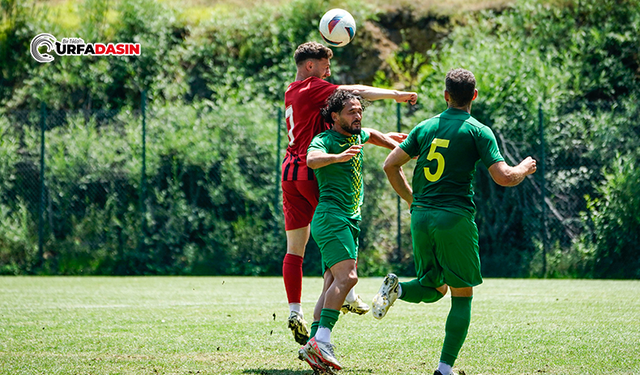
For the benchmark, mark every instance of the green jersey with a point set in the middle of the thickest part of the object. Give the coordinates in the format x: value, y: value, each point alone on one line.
x: 449, y: 147
x: 340, y: 184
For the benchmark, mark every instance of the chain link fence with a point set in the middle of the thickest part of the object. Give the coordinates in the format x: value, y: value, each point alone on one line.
x: 87, y: 201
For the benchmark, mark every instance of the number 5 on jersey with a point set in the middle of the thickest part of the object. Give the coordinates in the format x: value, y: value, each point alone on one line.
x: 444, y: 143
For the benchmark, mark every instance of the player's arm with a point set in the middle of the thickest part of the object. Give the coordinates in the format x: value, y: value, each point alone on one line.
x: 505, y: 175
x: 389, y: 140
x: 393, y: 168
x: 318, y: 159
x: 375, y: 93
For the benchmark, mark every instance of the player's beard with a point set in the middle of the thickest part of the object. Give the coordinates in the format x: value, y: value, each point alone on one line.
x: 353, y: 128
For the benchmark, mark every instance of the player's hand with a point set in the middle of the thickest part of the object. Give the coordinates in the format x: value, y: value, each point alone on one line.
x: 530, y: 165
x: 409, y: 199
x: 347, y: 154
x: 409, y: 202
x: 407, y: 97
x: 398, y: 137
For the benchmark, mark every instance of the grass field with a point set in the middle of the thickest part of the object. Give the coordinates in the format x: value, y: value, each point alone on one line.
x: 236, y: 325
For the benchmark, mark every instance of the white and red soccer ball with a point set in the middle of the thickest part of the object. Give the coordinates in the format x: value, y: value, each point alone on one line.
x: 337, y: 27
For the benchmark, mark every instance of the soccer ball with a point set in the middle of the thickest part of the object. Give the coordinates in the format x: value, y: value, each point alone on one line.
x: 337, y: 27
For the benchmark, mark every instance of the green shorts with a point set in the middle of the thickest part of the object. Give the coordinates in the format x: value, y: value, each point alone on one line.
x: 445, y: 248
x: 336, y: 236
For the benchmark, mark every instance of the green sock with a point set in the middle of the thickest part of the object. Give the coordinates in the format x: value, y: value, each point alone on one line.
x: 328, y: 318
x: 456, y: 328
x: 415, y: 292
x: 314, y: 328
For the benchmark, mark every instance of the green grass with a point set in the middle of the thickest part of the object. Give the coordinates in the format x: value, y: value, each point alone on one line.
x: 236, y: 325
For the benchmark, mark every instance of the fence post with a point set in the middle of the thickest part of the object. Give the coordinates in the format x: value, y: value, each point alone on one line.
x: 277, y: 177
x: 43, y: 126
x: 143, y: 177
x: 399, y: 239
x: 542, y: 192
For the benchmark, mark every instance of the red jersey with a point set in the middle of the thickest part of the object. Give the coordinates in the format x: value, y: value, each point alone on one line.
x: 303, y: 101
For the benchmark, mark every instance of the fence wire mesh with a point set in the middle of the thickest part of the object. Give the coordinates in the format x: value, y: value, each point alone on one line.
x: 89, y: 203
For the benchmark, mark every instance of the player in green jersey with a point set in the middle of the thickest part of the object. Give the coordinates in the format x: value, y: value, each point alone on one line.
x: 336, y: 157
x: 445, y: 236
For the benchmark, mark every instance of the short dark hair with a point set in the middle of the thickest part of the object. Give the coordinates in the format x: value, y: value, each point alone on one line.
x: 461, y: 85
x: 311, y: 50
x: 336, y: 103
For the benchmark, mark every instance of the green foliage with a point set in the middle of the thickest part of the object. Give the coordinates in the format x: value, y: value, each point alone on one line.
x: 155, y: 27
x: 579, y: 61
x: 249, y: 54
x: 208, y: 196
x: 379, y: 252
x: 103, y: 81
x: 207, y: 203
x: 9, y: 156
x: 18, y: 222
x: 15, y: 36
x: 616, y: 221
x: 18, y: 240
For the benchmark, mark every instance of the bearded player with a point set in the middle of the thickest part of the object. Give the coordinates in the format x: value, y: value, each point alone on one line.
x: 304, y: 99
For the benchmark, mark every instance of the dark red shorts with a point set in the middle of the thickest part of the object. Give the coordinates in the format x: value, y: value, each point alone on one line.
x: 299, y: 201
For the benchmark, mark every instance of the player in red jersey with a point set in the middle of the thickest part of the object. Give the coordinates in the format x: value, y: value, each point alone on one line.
x: 304, y: 99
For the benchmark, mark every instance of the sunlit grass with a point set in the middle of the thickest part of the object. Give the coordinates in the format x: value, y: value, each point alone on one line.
x: 236, y: 325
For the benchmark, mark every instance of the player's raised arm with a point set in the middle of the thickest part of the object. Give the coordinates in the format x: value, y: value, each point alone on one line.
x: 393, y: 168
x: 505, y: 175
x: 398, y: 137
x: 389, y: 140
x: 375, y: 93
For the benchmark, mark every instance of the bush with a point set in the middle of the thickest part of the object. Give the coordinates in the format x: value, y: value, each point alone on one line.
x: 207, y: 203
x: 207, y: 195
x: 585, y: 110
x: 616, y: 222
x: 18, y: 240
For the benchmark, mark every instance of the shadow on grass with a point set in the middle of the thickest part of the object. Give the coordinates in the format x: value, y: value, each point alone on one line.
x: 295, y: 372
x: 277, y: 372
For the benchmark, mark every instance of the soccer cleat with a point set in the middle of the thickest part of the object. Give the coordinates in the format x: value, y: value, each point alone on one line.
x: 357, y: 307
x: 386, y: 296
x: 318, y: 367
x: 298, y: 327
x: 324, y: 351
x: 453, y: 373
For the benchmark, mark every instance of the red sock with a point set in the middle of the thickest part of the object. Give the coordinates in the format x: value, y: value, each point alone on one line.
x: 292, y: 273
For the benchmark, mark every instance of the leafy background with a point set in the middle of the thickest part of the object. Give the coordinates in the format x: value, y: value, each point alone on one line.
x: 213, y: 77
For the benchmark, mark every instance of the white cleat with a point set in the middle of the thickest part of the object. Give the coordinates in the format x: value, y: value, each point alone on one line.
x: 386, y: 296
x: 318, y: 367
x: 324, y: 351
x: 357, y: 307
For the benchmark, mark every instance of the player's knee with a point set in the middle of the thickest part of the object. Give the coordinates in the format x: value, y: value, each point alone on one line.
x: 461, y: 292
x: 296, y: 250
x: 348, y: 281
x: 352, y: 280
